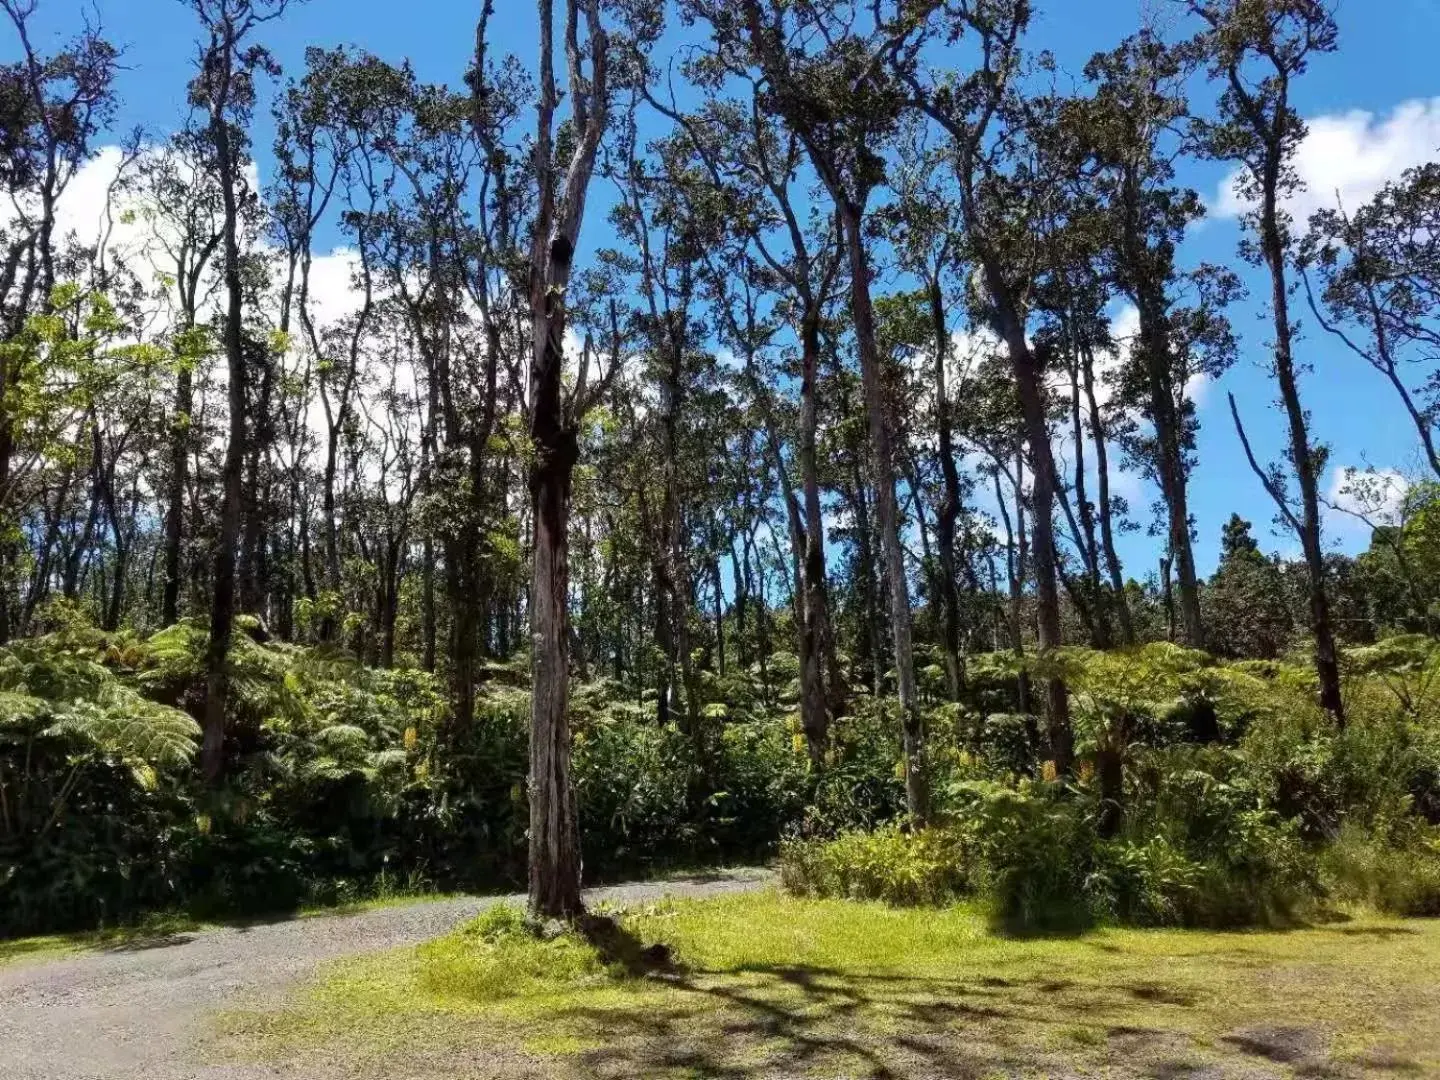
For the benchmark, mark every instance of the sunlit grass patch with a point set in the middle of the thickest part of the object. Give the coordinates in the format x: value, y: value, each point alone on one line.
x: 373, y: 903
x: 778, y: 986
x: 156, y: 929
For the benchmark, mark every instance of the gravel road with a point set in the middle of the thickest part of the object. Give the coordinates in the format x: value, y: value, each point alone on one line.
x: 136, y: 1012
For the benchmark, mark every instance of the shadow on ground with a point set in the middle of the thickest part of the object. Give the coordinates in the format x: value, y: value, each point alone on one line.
x: 804, y: 1021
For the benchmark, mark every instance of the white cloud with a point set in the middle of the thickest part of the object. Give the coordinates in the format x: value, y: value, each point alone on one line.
x: 1358, y: 498
x: 1197, y: 388
x: 1124, y: 329
x: 1351, y: 154
x: 333, y: 292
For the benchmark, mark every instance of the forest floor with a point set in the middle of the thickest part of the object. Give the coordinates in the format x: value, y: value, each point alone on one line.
x: 760, y: 985
x: 142, y: 1003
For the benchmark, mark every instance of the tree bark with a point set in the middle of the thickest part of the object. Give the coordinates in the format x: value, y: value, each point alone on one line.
x: 1120, y: 602
x: 817, y: 599
x: 949, y: 511
x: 917, y: 793
x: 1170, y: 466
x: 554, y: 826
x: 222, y: 611
x: 1029, y: 382
x: 1327, y: 664
x: 179, y: 481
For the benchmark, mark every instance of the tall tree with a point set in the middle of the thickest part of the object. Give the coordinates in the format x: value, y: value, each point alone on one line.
x: 929, y: 241
x: 224, y: 87
x: 1379, y: 269
x: 1141, y: 217
x: 1004, y: 202
x: 554, y: 431
x: 1256, y: 49
x: 843, y: 103
x: 181, y: 199
x: 754, y: 166
x: 51, y: 110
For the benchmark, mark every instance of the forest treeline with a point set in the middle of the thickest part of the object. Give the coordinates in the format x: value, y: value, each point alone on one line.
x: 781, y: 374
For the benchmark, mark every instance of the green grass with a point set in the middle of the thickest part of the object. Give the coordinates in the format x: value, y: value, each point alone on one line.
x: 373, y: 903
x: 775, y: 986
x: 57, y: 946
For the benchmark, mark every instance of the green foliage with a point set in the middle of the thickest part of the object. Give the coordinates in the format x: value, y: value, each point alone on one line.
x: 1394, y: 877
x: 56, y: 688
x: 862, y: 784
x: 1203, y: 848
x: 1246, y: 606
x: 926, y: 866
x: 1240, y: 802
x: 1032, y: 849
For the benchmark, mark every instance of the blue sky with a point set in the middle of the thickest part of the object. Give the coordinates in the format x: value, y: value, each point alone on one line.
x: 1385, y: 61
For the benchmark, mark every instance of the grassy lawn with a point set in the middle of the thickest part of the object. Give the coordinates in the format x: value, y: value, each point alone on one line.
x: 766, y: 985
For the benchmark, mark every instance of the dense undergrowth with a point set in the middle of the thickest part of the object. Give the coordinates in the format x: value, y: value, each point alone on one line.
x: 1235, y: 800
x: 343, y: 782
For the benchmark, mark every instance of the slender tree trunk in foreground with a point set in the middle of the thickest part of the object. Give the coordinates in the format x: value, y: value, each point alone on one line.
x: 175, y: 510
x: 554, y: 825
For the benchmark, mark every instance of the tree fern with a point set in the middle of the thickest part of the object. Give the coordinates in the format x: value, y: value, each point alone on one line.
x: 58, y: 687
x: 130, y: 727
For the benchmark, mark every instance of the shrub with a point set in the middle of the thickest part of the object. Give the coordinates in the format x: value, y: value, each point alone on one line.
x: 1200, y: 850
x: 762, y: 781
x: 1034, y: 851
x: 1203, y: 847
x: 632, y: 779
x: 927, y: 866
x: 1226, y: 786
x: 1147, y: 882
x: 1394, y: 878
x: 862, y: 784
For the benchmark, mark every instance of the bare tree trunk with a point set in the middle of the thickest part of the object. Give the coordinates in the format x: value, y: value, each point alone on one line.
x: 427, y: 606
x: 870, y: 648
x: 1167, y: 595
x: 179, y: 481
x: 817, y: 601
x: 254, y: 590
x: 1089, y: 546
x: 1015, y: 576
x: 554, y: 826
x: 738, y: 608
x: 1170, y: 465
x: 1029, y: 381
x: 949, y: 512
x: 45, y: 557
x: 1121, y: 602
x: 917, y: 793
x: 814, y: 718
x: 1327, y: 664
x: 222, y: 610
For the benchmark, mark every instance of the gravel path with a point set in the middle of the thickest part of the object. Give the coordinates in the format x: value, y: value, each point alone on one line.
x: 134, y: 1013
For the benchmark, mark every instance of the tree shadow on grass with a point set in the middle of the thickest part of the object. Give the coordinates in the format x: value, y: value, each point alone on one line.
x: 798, y: 1020
x: 802, y: 1020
